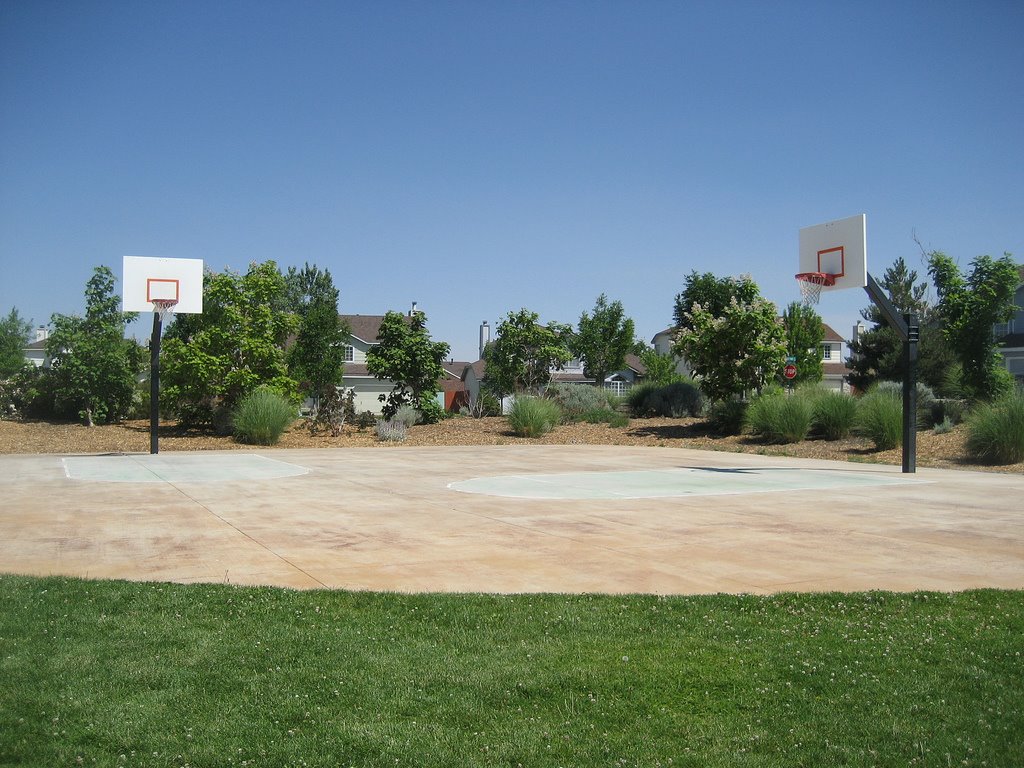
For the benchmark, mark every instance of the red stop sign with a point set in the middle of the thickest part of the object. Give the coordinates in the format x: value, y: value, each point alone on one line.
x: 789, y: 371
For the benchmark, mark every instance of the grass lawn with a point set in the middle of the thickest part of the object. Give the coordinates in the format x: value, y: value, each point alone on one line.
x: 141, y: 674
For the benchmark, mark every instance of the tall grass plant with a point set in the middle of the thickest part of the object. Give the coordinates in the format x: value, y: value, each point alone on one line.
x: 995, y: 431
x: 880, y: 418
x: 533, y: 416
x: 262, y: 416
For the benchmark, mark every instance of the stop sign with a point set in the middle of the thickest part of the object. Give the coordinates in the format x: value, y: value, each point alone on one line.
x: 789, y: 371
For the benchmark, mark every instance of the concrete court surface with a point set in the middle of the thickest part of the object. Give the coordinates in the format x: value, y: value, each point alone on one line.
x: 511, y: 519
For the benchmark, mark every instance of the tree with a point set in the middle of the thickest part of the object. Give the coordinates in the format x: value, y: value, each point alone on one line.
x: 521, y: 357
x: 804, y: 334
x: 317, y: 358
x: 713, y: 295
x: 737, y: 350
x: 878, y: 354
x: 406, y: 355
x: 969, y: 307
x: 603, y: 339
x: 659, y: 369
x: 211, y: 361
x: 15, y: 333
x: 93, y: 367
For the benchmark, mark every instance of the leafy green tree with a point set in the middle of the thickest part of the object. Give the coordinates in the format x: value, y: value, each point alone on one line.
x: 738, y: 350
x: 712, y: 294
x: 804, y: 334
x: 15, y: 333
x: 969, y: 306
x: 603, y: 339
x: 660, y: 369
x: 521, y: 357
x: 878, y: 354
x: 317, y: 358
x: 92, y: 366
x: 406, y: 355
x: 210, y: 361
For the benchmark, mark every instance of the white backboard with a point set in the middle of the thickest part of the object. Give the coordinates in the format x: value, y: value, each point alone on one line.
x: 838, y: 248
x: 146, y: 278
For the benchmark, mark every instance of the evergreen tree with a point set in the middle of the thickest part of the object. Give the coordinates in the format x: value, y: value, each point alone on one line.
x: 603, y: 339
x: 878, y: 354
x: 15, y: 333
x: 317, y: 357
x: 93, y: 367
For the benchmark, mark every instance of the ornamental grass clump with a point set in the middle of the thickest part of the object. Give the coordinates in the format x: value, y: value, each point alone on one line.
x: 780, y: 418
x: 533, y: 416
x: 391, y: 431
x: 995, y: 431
x: 880, y: 418
x: 262, y: 416
x: 833, y: 415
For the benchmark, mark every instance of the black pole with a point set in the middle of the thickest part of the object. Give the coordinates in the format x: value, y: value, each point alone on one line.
x: 907, y: 328
x: 154, y: 385
x: 910, y: 393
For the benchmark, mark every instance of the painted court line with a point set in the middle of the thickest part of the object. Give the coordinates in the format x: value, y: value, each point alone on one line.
x: 178, y: 468
x: 669, y: 483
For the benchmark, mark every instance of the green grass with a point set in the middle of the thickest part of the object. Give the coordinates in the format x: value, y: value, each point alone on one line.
x: 262, y: 417
x: 142, y: 674
x: 834, y: 414
x: 880, y: 417
x: 995, y: 431
x: 533, y: 416
x: 780, y: 418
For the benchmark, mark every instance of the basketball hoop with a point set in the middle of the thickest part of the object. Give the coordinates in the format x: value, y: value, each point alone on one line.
x: 811, y: 284
x: 164, y: 308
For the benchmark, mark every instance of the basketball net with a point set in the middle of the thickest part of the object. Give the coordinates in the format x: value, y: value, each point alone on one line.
x: 164, y: 308
x: 811, y: 284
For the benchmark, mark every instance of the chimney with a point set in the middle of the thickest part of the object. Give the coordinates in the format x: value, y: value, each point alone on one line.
x: 42, y: 333
x: 485, y: 336
x: 413, y: 310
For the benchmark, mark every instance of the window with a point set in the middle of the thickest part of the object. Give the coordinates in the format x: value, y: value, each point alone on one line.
x: 350, y: 353
x: 826, y: 351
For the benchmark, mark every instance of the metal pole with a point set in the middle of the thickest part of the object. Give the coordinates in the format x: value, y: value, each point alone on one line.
x: 910, y: 393
x: 907, y: 328
x: 154, y: 385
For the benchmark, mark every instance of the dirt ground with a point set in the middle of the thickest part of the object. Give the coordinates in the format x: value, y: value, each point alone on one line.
x: 933, y: 450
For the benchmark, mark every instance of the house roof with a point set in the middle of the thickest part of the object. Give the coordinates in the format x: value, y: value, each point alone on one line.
x: 830, y: 334
x: 1012, y: 340
x: 364, y: 327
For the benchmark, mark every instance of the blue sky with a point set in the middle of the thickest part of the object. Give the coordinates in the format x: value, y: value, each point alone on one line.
x: 479, y: 157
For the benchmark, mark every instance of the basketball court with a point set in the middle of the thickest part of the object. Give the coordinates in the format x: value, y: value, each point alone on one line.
x: 508, y: 519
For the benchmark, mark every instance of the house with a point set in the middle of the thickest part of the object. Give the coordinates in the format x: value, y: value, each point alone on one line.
x: 363, y: 335
x: 35, y: 352
x: 1010, y: 334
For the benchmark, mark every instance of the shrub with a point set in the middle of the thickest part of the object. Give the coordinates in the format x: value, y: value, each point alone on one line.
x: 925, y: 400
x: 330, y: 411
x: 365, y: 420
x: 942, y: 427
x: 606, y: 416
x: 675, y: 400
x: 262, y: 416
x: 995, y: 431
x: 780, y: 418
x: 636, y: 398
x: 408, y: 415
x: 880, y: 417
x: 948, y: 409
x: 726, y: 417
x: 576, y: 399
x: 533, y: 416
x: 834, y: 414
x: 391, y: 431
